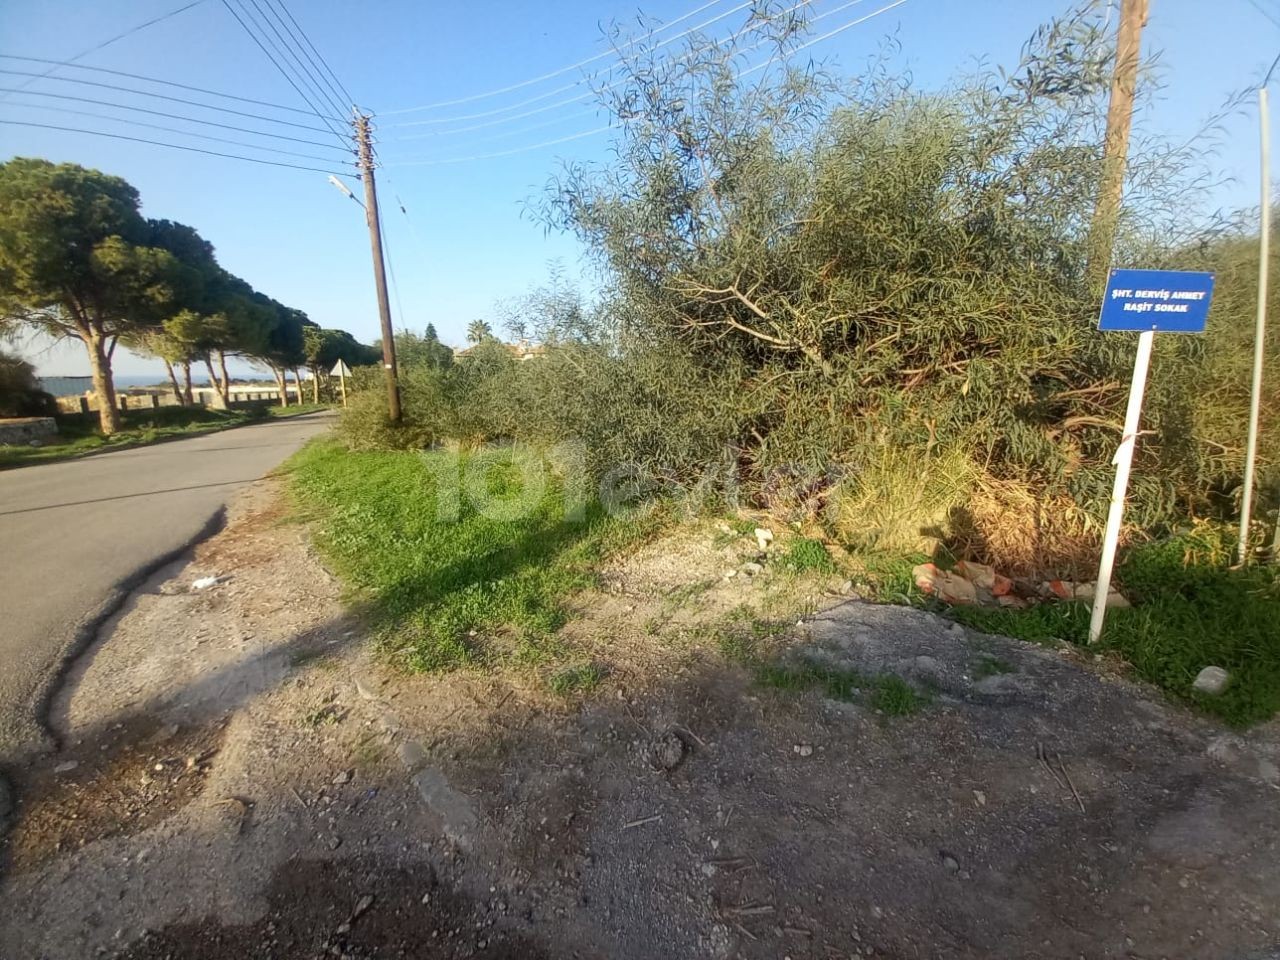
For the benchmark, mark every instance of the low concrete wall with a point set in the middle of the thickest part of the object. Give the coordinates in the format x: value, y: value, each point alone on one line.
x: 140, y: 399
x: 28, y: 430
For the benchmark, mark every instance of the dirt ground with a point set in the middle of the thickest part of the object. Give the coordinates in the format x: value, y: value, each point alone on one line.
x: 241, y: 776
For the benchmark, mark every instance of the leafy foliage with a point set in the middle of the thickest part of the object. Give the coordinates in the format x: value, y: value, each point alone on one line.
x: 20, y: 393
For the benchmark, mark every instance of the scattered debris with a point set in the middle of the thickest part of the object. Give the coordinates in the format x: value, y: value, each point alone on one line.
x: 667, y: 752
x: 976, y: 583
x: 204, y: 583
x: 980, y: 798
x: 642, y: 821
x: 764, y: 537
x: 752, y: 569
x: 344, y: 776
x: 1070, y: 590
x: 803, y: 749
x: 66, y: 766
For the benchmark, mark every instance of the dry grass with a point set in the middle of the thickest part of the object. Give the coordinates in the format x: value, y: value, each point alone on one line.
x: 1024, y: 534
x: 899, y: 504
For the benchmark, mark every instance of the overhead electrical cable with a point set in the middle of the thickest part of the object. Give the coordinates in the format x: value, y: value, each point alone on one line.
x: 165, y: 96
x: 828, y: 35
x: 501, y: 153
x: 167, y: 83
x: 170, y: 116
x: 435, y: 134
x: 330, y: 78
x: 281, y: 69
x: 106, y: 43
x: 44, y: 107
x: 576, y: 99
x: 588, y: 133
x: 574, y: 66
x: 174, y: 146
x: 300, y: 70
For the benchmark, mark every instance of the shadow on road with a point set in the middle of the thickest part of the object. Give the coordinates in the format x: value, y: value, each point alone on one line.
x: 128, y: 496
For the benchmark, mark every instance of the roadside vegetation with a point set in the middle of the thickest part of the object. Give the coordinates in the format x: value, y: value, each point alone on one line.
x: 865, y: 310
x: 453, y: 580
x: 76, y: 437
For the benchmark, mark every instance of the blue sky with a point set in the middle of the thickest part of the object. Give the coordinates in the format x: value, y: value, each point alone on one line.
x: 464, y: 243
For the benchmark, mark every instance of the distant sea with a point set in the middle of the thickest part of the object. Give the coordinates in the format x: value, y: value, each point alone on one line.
x: 75, y: 386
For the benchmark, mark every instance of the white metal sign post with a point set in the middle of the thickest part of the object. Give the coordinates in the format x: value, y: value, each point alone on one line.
x: 1149, y: 301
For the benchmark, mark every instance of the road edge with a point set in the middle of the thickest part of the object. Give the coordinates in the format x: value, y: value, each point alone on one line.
x: 194, y: 435
x: 86, y: 634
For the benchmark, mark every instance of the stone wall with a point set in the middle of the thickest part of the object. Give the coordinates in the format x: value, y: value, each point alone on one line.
x: 26, y: 430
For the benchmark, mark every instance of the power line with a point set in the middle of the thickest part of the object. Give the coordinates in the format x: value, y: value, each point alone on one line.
x: 170, y: 116
x: 584, y: 96
x: 174, y: 146
x: 589, y: 133
x: 165, y: 96
x: 177, y: 130
x: 501, y: 153
x: 106, y: 43
x: 1264, y: 11
x: 828, y: 35
x: 501, y: 134
x: 575, y: 66
x: 391, y: 265
x: 276, y: 64
x: 167, y: 83
x: 302, y: 73
x: 306, y: 95
x: 343, y: 97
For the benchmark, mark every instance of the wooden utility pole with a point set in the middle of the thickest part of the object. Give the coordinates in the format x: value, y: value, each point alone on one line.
x: 379, y: 267
x: 1124, y: 84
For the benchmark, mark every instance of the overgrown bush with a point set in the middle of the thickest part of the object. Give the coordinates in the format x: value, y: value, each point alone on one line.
x: 20, y: 393
x: 879, y: 295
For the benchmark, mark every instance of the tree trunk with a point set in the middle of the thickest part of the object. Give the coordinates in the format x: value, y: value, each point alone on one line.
x: 103, y: 388
x: 315, y: 384
x: 226, y: 381
x: 281, y: 385
x: 187, y: 398
x: 297, y: 382
x: 219, y: 400
x: 173, y: 380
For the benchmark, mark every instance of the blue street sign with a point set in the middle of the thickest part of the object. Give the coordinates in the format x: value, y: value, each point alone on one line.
x: 1167, y: 301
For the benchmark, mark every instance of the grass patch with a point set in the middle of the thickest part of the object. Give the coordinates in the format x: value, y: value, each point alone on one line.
x: 804, y: 555
x: 452, y: 577
x: 990, y: 666
x: 1191, y: 610
x: 894, y: 697
x: 890, y: 576
x: 78, y: 436
x: 578, y: 679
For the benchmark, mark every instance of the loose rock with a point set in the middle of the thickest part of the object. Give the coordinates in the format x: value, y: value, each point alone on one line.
x: 1211, y: 680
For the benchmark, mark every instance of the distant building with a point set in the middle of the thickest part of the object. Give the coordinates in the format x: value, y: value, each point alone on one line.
x: 523, y: 350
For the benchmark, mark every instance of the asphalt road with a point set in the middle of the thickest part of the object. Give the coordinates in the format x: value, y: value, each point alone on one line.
x: 75, y: 535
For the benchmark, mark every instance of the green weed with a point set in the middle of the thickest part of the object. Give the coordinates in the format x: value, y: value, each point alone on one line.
x: 894, y: 697
x: 580, y: 678
x: 804, y: 555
